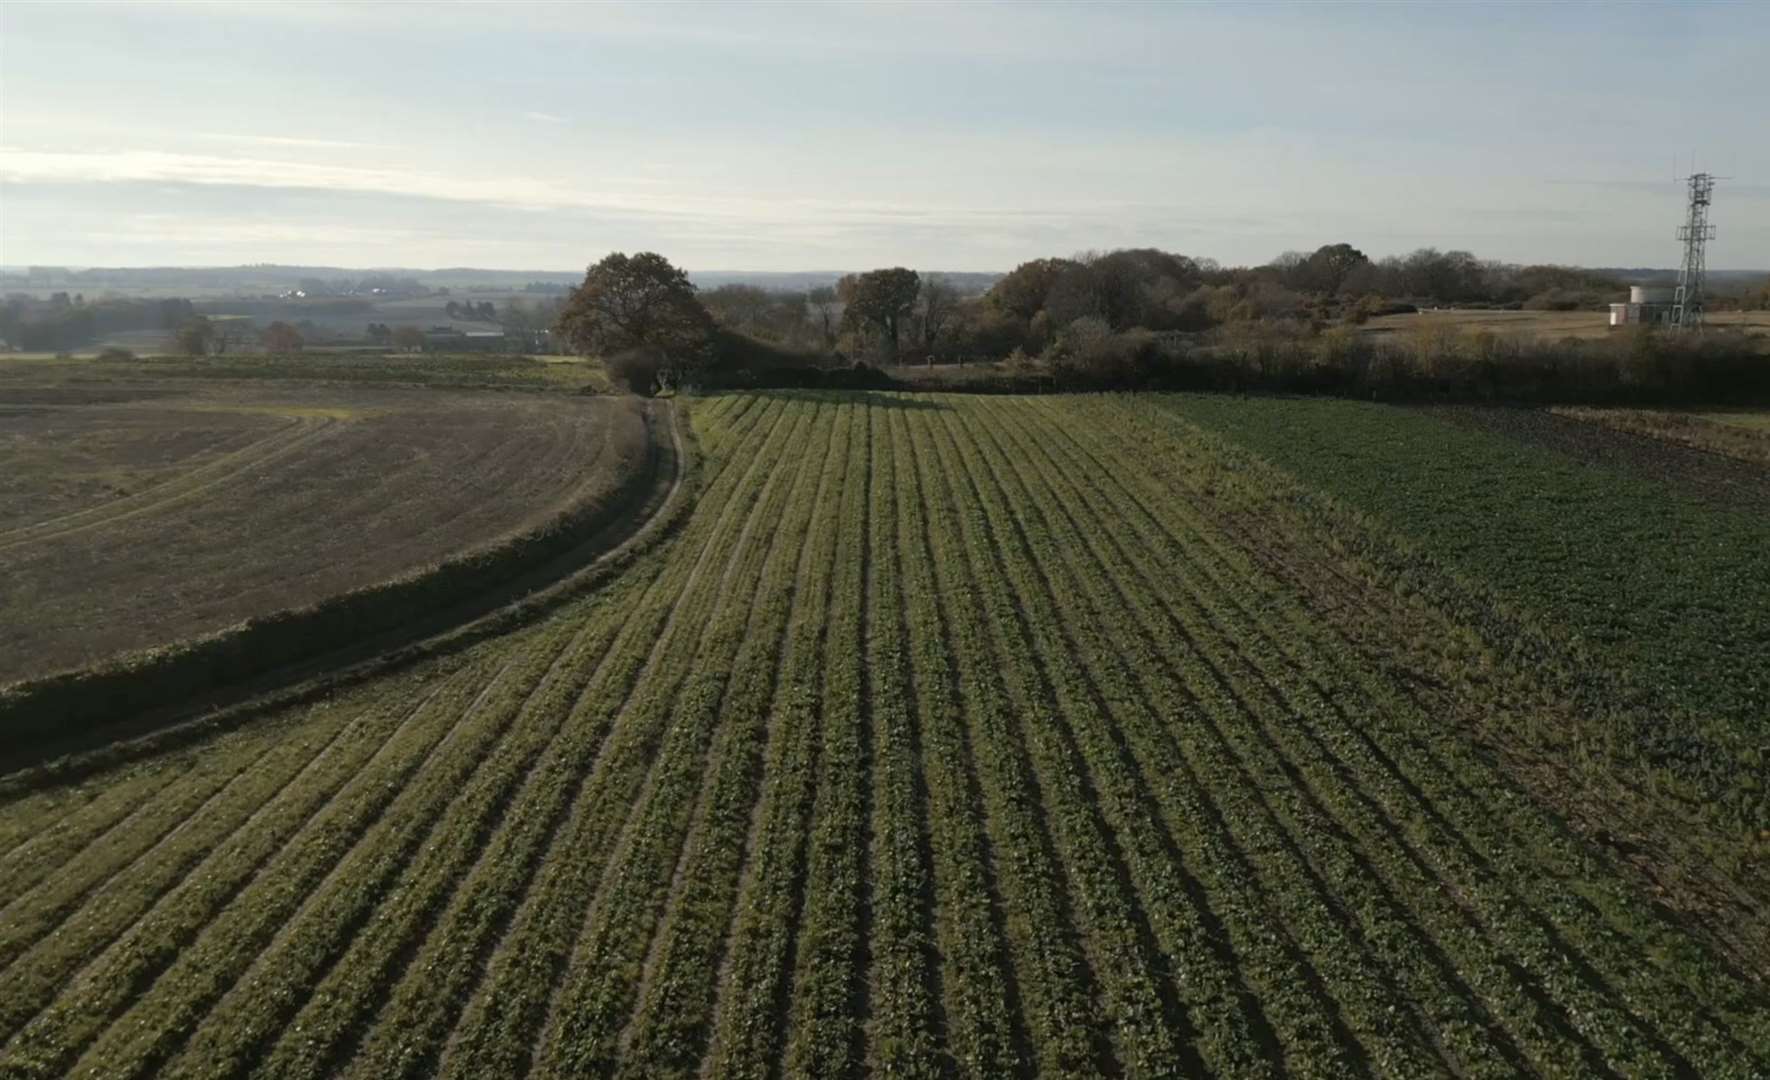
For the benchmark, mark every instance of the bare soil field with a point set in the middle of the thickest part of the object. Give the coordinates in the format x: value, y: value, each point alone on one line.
x: 1741, y: 434
x: 1541, y: 324
x: 1597, y: 437
x: 139, y: 513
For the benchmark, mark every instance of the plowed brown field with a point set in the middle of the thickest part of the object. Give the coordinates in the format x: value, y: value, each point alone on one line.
x: 136, y: 516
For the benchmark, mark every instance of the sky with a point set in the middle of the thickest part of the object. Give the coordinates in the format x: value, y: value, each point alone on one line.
x: 844, y: 136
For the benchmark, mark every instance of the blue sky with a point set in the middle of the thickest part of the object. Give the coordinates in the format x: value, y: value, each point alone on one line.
x: 835, y: 136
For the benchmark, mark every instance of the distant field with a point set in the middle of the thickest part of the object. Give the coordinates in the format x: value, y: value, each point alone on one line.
x: 1541, y: 324
x: 1752, y: 421
x: 1595, y: 535
x: 142, y: 511
x: 954, y: 735
x: 332, y: 319
x: 1740, y: 434
x: 467, y: 371
x: 422, y: 312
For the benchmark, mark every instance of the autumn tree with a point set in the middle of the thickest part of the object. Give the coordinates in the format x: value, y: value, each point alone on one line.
x: 1076, y: 292
x: 280, y: 338
x: 766, y: 314
x: 826, y: 307
x: 194, y: 337
x: 407, y: 339
x: 640, y: 313
x: 1023, y: 291
x: 1447, y: 276
x: 738, y: 306
x: 936, y: 303
x: 1141, y: 286
x: 1324, y: 269
x: 881, y: 299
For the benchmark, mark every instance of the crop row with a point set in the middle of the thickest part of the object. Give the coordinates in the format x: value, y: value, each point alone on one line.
x: 1410, y: 756
x: 752, y: 826
x: 357, y: 978
x: 1355, y: 915
x: 158, y: 842
x: 408, y: 1035
x: 502, y: 1017
x: 948, y: 736
x: 720, y: 706
x: 985, y: 1034
x: 290, y: 920
x: 1665, y: 593
x: 1413, y: 788
x: 1123, y: 789
x: 1057, y: 980
x: 593, y: 799
x: 1370, y: 904
x: 102, y: 987
x: 141, y: 876
x: 668, y: 1033
x: 440, y: 918
x: 823, y: 1025
x: 1133, y: 768
x: 742, y: 1035
x: 48, y: 826
x: 903, y: 977
x: 226, y: 872
x: 332, y: 950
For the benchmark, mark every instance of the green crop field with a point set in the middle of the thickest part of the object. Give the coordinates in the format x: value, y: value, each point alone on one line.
x: 957, y: 735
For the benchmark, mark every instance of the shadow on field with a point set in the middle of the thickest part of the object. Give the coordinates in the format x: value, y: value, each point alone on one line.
x: 1691, y: 471
x: 877, y: 399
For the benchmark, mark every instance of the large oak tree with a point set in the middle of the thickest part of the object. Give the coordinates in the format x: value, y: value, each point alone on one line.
x: 881, y: 298
x: 640, y: 313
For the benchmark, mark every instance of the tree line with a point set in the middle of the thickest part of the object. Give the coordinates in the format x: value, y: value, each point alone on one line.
x: 63, y: 321
x: 1122, y: 318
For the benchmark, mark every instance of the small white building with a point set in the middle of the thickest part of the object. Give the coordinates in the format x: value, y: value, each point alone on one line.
x: 1648, y: 305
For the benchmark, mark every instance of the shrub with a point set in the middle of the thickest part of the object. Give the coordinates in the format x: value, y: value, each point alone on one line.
x: 638, y: 368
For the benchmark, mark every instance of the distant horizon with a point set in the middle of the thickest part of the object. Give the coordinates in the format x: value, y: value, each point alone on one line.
x: 20, y: 268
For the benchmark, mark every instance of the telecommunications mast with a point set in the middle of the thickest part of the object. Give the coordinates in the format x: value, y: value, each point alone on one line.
x: 1695, y: 232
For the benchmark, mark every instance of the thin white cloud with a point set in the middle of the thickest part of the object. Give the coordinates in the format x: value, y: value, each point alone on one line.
x: 18, y: 165
x: 163, y: 230
x: 546, y: 118
x: 281, y: 140
x: 54, y: 167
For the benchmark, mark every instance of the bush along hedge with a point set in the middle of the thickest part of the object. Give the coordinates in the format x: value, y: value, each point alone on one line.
x: 1435, y: 364
x: 73, y: 703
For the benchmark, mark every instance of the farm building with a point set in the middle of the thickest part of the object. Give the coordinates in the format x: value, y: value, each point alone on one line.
x: 450, y: 339
x: 1646, y: 304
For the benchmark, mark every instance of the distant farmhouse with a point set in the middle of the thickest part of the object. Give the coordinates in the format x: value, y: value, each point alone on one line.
x: 450, y: 339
